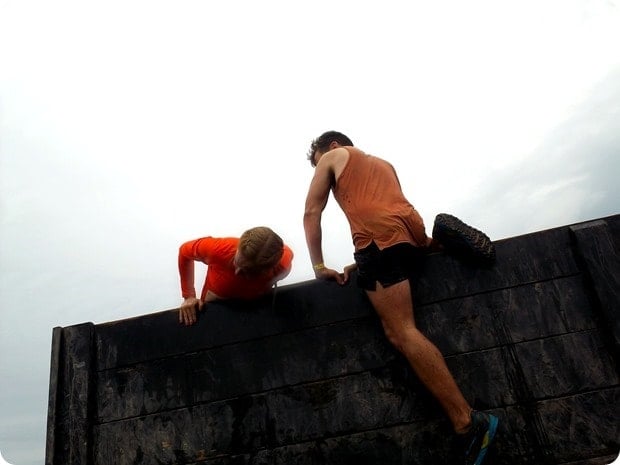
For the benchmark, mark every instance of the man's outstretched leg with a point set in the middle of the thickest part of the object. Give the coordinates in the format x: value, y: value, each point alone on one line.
x: 394, y: 306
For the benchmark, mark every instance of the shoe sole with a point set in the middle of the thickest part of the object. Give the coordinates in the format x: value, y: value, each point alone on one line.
x: 463, y: 241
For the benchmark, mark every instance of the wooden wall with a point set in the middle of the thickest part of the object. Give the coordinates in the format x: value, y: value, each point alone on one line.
x: 310, y: 378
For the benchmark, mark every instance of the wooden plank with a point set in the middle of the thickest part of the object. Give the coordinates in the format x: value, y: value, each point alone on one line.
x: 560, y: 430
x: 566, y: 364
x: 159, y: 335
x: 603, y: 460
x: 584, y: 425
x: 600, y: 256
x: 416, y: 442
x: 509, y: 315
x: 410, y: 443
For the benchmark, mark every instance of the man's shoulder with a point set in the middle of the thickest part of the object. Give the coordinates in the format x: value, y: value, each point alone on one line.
x: 338, y: 156
x: 338, y: 152
x: 354, y: 152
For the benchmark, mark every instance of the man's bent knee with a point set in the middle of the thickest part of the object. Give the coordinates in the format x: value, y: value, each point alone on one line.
x: 400, y: 337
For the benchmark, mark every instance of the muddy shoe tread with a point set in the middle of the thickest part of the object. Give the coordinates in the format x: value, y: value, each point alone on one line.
x: 463, y: 241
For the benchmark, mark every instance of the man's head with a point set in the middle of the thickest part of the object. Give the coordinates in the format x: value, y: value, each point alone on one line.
x: 260, y: 249
x: 322, y: 144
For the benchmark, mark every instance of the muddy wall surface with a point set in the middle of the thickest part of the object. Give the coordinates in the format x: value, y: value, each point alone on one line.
x: 309, y: 378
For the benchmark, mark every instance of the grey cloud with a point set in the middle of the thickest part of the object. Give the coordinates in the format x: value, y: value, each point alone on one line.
x: 571, y: 176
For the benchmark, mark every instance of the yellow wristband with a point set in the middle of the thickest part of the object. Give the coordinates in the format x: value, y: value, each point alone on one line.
x: 319, y: 266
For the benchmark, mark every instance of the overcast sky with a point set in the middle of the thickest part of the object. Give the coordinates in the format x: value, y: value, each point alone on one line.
x: 128, y: 127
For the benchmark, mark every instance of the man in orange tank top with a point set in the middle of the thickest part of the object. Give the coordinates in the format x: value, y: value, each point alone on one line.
x: 389, y: 236
x: 238, y: 268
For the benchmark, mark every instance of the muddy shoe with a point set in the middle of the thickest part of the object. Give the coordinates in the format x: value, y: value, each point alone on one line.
x: 463, y: 241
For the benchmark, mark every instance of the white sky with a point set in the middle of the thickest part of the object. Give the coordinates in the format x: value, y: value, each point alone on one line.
x: 128, y: 127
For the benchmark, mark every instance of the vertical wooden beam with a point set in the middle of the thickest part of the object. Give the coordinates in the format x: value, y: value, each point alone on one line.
x: 53, y: 397
x: 600, y: 258
x: 70, y: 404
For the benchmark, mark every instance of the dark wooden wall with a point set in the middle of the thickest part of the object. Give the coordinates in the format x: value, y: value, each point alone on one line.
x: 310, y: 379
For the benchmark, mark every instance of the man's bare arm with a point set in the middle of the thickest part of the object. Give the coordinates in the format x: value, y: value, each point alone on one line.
x: 316, y: 200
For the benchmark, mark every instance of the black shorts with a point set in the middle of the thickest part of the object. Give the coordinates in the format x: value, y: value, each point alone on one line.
x: 388, y: 266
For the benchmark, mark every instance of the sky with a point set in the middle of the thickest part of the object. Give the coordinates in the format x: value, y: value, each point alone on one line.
x: 128, y: 127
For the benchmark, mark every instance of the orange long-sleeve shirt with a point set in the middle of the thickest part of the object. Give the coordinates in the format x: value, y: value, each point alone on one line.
x: 218, y: 254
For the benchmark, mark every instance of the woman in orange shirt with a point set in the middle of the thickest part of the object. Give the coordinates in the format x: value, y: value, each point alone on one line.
x: 238, y: 268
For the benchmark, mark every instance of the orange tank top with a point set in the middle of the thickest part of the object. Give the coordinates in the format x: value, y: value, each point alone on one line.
x: 369, y: 193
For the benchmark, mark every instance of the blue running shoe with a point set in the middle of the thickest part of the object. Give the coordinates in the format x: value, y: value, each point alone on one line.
x: 480, y: 436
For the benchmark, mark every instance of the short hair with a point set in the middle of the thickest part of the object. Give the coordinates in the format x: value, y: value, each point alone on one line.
x: 261, y: 248
x: 322, y: 143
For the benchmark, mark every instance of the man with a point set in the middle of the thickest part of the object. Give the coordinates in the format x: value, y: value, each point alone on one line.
x: 388, y: 235
x: 238, y: 268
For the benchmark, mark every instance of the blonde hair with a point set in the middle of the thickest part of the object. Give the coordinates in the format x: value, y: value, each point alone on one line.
x: 261, y: 247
